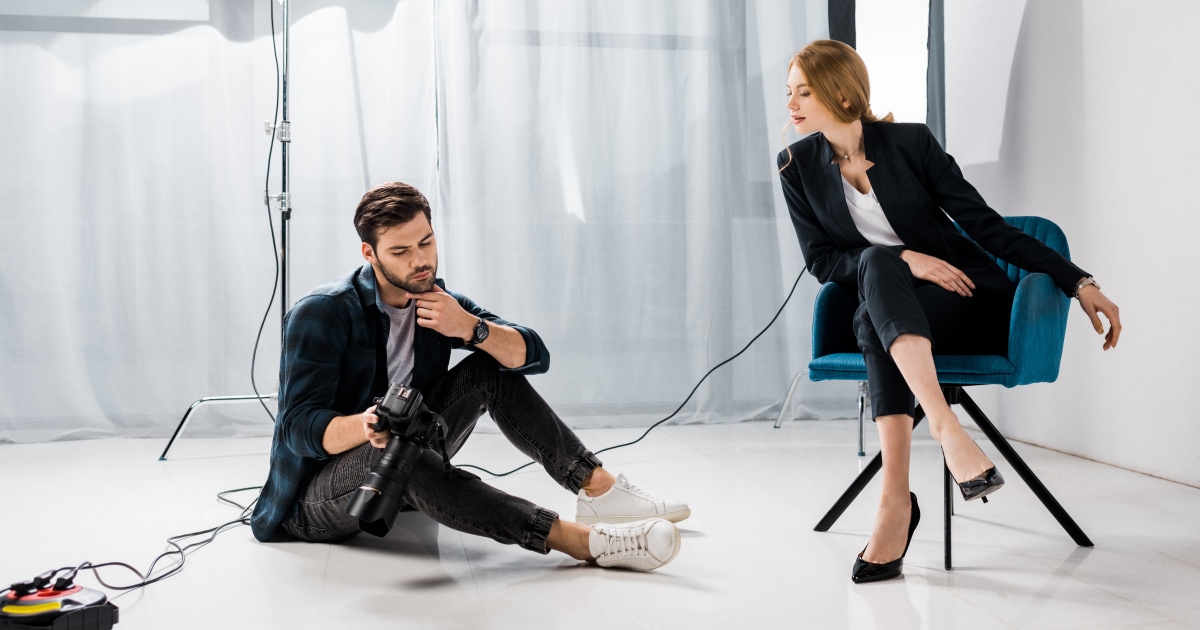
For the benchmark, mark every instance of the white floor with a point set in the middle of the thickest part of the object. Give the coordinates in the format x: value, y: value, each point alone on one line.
x: 749, y: 559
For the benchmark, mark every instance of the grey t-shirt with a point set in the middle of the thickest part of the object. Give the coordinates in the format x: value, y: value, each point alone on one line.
x: 400, y: 355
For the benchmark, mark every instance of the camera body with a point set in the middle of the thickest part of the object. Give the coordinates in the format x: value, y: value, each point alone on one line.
x: 413, y: 427
x: 402, y: 413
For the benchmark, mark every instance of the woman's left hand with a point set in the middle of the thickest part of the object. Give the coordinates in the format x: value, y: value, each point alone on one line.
x: 1094, y: 303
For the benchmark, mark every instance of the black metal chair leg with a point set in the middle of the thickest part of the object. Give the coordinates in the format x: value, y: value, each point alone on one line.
x: 857, y: 486
x: 1018, y: 464
x: 947, y: 507
x: 862, y: 420
x: 955, y: 395
x: 850, y: 494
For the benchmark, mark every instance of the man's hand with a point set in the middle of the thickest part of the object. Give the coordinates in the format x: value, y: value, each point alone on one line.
x: 346, y: 432
x: 439, y: 311
x: 1094, y: 303
x: 378, y: 440
x: 937, y: 271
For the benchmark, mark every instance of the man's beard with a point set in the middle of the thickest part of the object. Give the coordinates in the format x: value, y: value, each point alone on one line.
x: 412, y: 286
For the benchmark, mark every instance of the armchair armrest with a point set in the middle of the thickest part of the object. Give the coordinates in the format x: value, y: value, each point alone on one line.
x: 1037, y: 330
x: 833, y: 321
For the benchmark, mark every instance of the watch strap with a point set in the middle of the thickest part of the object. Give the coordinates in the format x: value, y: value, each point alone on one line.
x: 1083, y: 282
x: 480, y: 333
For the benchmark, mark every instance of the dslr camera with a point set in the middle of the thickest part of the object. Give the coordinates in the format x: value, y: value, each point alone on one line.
x: 413, y: 427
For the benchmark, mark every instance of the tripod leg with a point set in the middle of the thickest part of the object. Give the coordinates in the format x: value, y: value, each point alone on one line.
x: 787, y: 400
x: 204, y: 401
x: 179, y: 429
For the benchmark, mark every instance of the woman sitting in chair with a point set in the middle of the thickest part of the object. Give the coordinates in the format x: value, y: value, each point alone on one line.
x: 869, y: 199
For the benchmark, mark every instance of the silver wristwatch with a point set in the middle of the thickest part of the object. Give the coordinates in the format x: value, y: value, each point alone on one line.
x: 1083, y: 283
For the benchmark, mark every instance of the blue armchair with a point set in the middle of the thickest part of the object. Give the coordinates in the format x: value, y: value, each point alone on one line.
x: 1035, y: 343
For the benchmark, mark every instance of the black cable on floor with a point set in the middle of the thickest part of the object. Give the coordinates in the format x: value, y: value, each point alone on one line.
x: 685, y: 400
x: 179, y: 550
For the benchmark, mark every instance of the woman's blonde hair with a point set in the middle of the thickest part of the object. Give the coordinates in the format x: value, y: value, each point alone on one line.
x: 834, y: 72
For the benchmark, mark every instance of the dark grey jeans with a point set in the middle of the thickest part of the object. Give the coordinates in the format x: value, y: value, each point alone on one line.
x: 457, y: 498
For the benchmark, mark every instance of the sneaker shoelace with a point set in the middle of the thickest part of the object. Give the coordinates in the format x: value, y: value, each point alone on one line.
x: 639, y: 492
x: 624, y: 543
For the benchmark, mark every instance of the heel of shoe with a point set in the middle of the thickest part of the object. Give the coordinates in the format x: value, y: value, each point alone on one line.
x: 990, y: 482
x: 913, y: 519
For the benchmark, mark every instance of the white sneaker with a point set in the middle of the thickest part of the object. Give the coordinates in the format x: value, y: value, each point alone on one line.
x: 625, y: 503
x: 643, y: 546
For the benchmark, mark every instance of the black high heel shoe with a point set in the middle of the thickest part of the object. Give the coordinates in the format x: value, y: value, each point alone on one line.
x: 978, y: 488
x: 869, y: 571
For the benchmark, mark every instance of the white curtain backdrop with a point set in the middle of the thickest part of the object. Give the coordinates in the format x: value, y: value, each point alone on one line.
x: 600, y: 171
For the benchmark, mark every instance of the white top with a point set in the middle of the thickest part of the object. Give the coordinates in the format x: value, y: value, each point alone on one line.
x: 400, y: 355
x: 868, y: 216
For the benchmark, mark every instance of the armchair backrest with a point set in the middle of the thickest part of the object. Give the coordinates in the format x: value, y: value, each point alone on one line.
x: 1043, y: 230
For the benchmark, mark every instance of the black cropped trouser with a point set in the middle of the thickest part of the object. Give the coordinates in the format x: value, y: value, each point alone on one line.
x: 891, y: 302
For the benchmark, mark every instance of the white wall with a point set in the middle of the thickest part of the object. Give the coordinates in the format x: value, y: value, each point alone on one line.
x: 1099, y: 133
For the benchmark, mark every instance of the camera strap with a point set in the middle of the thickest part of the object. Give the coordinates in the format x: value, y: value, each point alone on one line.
x: 441, y: 439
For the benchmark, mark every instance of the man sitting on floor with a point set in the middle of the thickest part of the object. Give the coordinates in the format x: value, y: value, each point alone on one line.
x: 394, y: 321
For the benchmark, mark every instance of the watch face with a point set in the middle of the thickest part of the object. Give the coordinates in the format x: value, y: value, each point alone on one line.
x: 481, y: 331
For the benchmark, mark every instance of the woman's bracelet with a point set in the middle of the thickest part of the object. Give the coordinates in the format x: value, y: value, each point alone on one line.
x: 1083, y: 282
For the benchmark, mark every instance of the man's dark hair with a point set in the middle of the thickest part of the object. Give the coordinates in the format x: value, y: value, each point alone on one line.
x: 387, y: 206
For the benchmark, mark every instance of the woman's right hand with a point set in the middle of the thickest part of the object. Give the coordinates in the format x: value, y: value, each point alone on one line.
x: 1095, y: 303
x: 937, y: 271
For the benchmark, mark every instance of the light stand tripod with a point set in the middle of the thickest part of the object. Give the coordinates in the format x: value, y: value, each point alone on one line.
x: 284, y: 200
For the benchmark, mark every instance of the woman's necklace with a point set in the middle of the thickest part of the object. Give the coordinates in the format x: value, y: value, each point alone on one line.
x: 850, y: 155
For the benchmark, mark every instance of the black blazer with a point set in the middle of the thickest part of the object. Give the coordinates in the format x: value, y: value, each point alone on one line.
x: 918, y: 185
